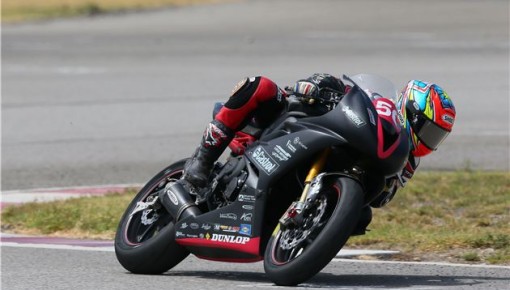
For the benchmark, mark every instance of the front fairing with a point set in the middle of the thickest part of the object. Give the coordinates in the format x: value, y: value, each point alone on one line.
x: 381, y: 138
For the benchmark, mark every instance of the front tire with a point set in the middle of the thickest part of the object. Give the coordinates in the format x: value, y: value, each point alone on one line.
x: 292, y: 257
x: 145, y: 241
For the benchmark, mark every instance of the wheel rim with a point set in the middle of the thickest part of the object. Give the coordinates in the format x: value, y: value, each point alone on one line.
x: 145, y: 224
x: 290, y: 243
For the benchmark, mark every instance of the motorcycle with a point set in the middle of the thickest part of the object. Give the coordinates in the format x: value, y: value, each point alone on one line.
x: 292, y: 198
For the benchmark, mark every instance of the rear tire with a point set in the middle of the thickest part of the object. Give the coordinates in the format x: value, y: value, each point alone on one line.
x: 145, y: 243
x: 288, y: 266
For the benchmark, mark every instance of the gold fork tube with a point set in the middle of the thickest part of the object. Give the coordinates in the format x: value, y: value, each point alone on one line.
x: 317, y: 167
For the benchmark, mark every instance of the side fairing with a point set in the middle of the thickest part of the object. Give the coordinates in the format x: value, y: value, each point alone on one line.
x: 278, y: 156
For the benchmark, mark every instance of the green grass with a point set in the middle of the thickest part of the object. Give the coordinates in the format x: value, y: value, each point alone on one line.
x: 454, y: 216
x: 29, y: 10
x: 86, y: 217
x: 454, y: 213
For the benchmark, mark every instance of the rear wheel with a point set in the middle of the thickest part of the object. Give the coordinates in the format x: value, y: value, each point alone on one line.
x: 145, y: 238
x: 297, y: 253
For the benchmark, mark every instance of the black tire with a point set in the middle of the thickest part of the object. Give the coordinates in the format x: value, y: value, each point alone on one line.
x: 323, y: 243
x: 149, y: 249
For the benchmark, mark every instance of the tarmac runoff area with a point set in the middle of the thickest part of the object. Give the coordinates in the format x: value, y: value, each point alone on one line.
x: 9, y: 198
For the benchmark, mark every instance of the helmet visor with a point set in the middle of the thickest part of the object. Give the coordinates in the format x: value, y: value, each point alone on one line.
x: 429, y: 133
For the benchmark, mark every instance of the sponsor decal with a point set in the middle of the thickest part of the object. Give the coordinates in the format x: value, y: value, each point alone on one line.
x: 246, y: 198
x: 245, y: 229
x: 248, y: 207
x: 297, y: 141
x: 280, y: 153
x: 217, y: 227
x: 448, y: 119
x: 230, y: 239
x: 278, y: 156
x: 173, y: 197
x: 229, y: 229
x: 291, y: 147
x: 231, y: 216
x: 246, y: 217
x: 179, y: 234
x: 206, y: 227
x: 351, y: 115
x: 400, y: 118
x: 264, y: 160
x: 194, y: 226
x: 191, y: 236
x: 184, y: 225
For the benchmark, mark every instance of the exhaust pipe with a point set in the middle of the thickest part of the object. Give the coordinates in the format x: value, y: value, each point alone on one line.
x: 177, y: 201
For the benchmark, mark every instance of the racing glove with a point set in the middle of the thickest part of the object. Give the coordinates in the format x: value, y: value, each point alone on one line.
x: 306, y: 88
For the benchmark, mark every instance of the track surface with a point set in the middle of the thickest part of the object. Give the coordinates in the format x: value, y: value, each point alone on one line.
x: 84, y: 270
x: 112, y: 100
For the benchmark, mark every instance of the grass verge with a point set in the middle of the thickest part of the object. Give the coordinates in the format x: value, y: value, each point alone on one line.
x: 441, y: 216
x: 453, y: 216
x: 29, y: 10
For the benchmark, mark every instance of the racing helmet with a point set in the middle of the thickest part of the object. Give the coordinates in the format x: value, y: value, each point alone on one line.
x: 429, y: 113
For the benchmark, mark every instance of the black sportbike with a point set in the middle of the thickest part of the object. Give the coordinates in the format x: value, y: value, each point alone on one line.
x: 292, y: 199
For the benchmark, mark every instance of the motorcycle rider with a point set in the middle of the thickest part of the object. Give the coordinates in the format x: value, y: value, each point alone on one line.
x: 428, y: 112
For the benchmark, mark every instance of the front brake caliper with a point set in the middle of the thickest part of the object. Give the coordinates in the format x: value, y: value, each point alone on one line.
x: 292, y: 215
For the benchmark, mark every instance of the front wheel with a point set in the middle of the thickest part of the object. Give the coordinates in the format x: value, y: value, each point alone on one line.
x: 145, y: 239
x: 297, y: 253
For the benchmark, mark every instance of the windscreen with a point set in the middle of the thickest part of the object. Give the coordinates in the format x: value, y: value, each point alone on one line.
x: 375, y: 86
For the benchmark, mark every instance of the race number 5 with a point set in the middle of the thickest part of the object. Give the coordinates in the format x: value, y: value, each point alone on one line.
x: 384, y: 107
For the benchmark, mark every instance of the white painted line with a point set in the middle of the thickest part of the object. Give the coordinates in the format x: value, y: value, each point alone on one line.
x: 358, y: 252
x: 422, y: 263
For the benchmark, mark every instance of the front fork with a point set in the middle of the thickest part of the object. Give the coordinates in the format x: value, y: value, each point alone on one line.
x: 313, y: 183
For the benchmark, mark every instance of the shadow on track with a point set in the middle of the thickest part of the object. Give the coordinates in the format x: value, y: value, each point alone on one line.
x: 326, y: 280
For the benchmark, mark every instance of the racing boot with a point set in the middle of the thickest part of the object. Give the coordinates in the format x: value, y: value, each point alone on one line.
x: 216, y: 138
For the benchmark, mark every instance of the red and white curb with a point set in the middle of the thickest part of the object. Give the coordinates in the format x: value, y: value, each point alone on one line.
x: 16, y: 197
